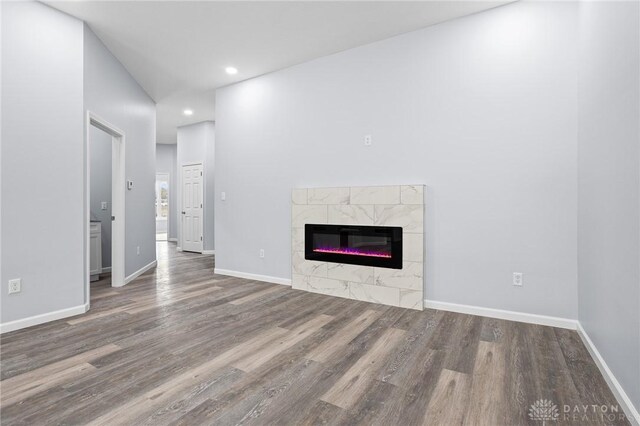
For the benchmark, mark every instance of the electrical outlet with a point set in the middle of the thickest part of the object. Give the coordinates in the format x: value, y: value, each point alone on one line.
x: 517, y: 279
x: 223, y: 196
x: 261, y: 253
x: 367, y: 140
x: 15, y: 286
x: 138, y: 250
x: 103, y: 205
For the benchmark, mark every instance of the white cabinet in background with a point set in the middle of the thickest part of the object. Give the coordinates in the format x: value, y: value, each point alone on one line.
x: 95, y: 250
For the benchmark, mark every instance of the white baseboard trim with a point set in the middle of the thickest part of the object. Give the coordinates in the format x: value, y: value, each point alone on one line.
x: 502, y: 314
x: 614, y: 385
x: 175, y: 240
x: 140, y: 271
x: 42, y: 318
x: 105, y: 270
x: 178, y: 249
x: 265, y: 278
x: 208, y: 252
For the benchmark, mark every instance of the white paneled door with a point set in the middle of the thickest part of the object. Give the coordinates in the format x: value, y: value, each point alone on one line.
x: 192, y: 195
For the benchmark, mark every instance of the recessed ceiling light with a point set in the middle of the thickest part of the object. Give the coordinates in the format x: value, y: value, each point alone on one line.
x: 231, y: 70
x: 187, y: 112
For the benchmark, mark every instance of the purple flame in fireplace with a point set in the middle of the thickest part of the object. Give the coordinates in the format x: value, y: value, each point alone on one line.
x: 351, y: 252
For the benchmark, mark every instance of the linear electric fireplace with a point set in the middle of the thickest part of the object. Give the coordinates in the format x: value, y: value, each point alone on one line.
x: 379, y: 246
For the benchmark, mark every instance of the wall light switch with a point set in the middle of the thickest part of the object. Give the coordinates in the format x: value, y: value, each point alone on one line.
x: 103, y: 205
x: 223, y: 196
x: 261, y: 253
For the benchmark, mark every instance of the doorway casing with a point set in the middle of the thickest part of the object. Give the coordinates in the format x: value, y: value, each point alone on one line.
x: 118, y: 188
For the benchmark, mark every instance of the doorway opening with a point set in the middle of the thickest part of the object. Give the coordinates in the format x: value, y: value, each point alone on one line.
x: 104, y: 193
x: 162, y: 206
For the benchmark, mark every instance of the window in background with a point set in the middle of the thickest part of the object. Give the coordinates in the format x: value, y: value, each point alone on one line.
x: 162, y: 206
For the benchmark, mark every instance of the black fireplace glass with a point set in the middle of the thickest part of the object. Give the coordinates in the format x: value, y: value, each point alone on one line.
x: 379, y: 246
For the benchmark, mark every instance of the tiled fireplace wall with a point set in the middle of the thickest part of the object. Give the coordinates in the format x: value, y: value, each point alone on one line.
x: 398, y: 205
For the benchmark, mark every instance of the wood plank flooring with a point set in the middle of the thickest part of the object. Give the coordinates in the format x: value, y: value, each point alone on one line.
x: 182, y: 346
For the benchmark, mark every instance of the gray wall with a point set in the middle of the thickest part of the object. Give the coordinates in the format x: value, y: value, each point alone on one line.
x: 100, y: 169
x: 609, y: 186
x: 42, y: 160
x: 481, y: 109
x: 111, y: 93
x: 196, y: 144
x: 51, y: 65
x: 166, y: 163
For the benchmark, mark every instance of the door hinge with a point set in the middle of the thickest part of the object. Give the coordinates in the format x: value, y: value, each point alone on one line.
x: 200, y: 205
x: 200, y: 237
x: 113, y: 218
x: 200, y: 173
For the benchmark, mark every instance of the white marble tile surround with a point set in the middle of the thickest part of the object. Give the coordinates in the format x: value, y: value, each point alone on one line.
x: 396, y: 205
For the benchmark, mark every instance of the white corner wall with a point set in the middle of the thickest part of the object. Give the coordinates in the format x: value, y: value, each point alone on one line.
x: 609, y: 186
x: 481, y: 109
x: 42, y: 161
x: 112, y: 93
x: 54, y: 69
x: 166, y: 160
x: 196, y: 144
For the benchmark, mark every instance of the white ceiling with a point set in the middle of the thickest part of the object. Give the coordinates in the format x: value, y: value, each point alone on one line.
x: 178, y: 50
